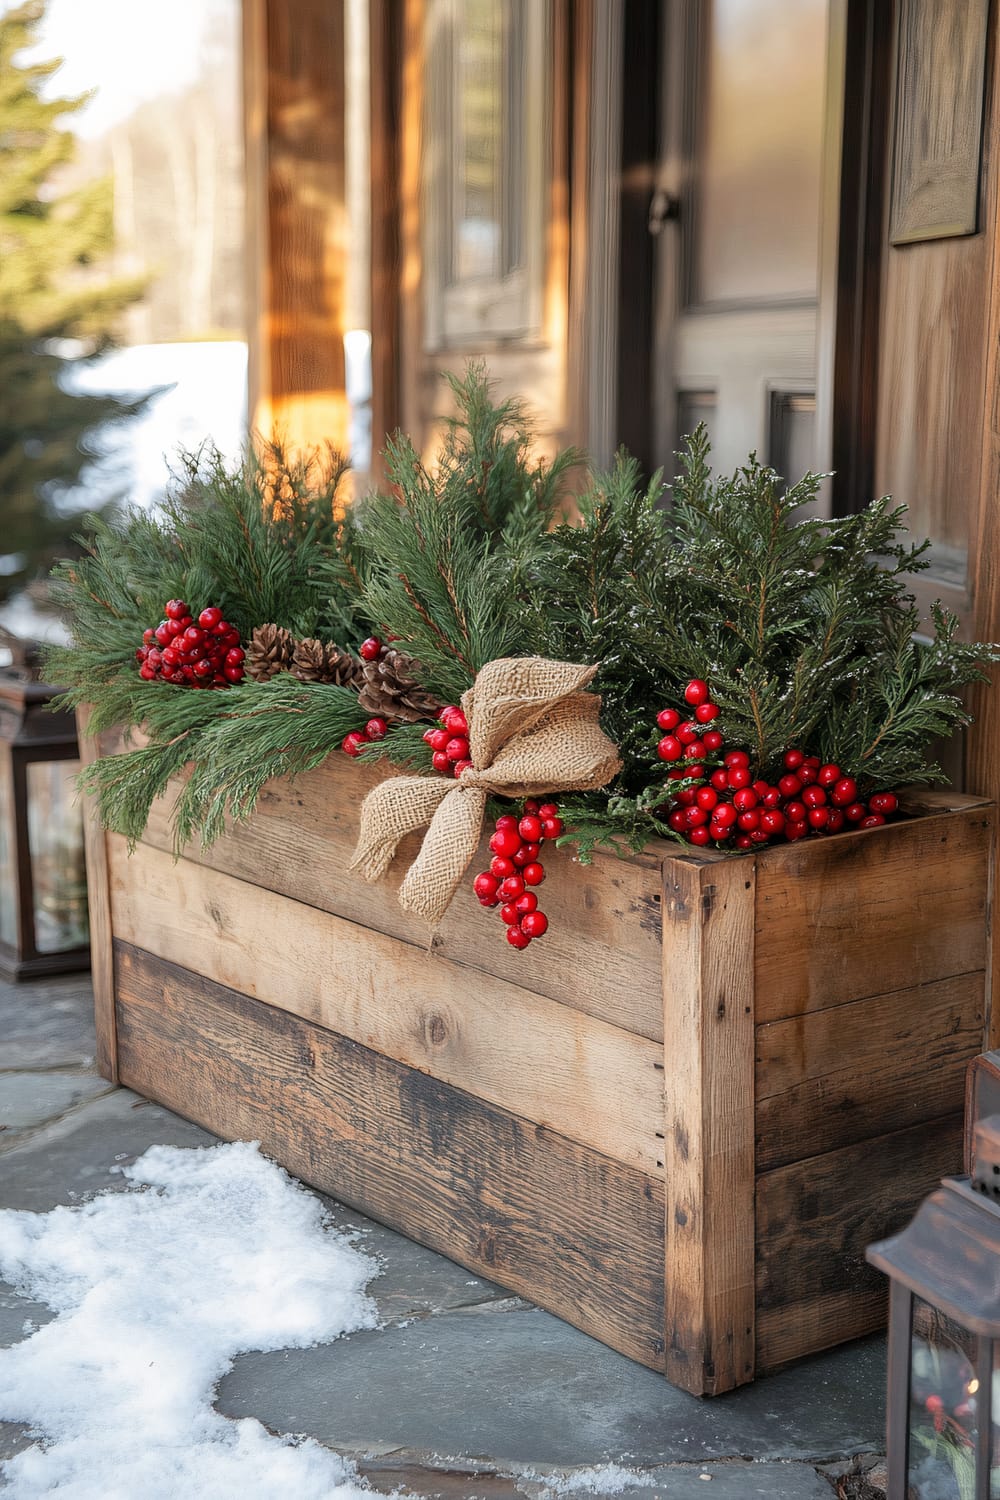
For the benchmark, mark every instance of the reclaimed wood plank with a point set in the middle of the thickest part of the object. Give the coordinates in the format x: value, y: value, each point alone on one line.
x: 708, y: 937
x: 851, y: 916
x: 833, y: 1077
x: 815, y: 1217
x: 549, y: 1219
x: 99, y: 904
x: 785, y: 1334
x: 601, y: 953
x: 592, y: 1082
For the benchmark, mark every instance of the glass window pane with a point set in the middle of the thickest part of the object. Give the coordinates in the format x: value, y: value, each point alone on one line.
x: 478, y: 229
x: 59, y: 874
x: 943, y: 1404
x: 758, y: 205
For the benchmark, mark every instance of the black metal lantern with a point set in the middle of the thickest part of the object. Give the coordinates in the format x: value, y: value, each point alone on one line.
x: 944, y: 1337
x: 43, y: 878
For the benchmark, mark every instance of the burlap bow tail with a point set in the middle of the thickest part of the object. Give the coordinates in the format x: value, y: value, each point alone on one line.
x: 532, y: 729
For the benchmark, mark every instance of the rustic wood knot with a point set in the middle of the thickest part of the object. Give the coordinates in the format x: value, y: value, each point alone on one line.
x: 435, y: 1028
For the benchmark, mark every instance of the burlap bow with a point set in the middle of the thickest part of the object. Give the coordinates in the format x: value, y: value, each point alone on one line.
x: 531, y: 730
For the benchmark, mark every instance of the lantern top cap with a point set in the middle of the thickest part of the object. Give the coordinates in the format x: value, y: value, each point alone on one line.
x: 949, y: 1255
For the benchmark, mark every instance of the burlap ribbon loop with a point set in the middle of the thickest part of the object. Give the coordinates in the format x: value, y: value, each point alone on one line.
x: 532, y: 730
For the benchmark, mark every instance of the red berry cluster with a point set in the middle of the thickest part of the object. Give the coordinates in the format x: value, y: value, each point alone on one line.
x: 731, y: 807
x: 206, y: 654
x: 515, y: 866
x: 449, y: 740
x: 352, y: 744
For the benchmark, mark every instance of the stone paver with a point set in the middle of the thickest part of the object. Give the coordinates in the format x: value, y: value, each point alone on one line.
x: 465, y: 1391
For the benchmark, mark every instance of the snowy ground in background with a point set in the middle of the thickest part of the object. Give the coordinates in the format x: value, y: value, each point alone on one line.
x: 156, y: 1291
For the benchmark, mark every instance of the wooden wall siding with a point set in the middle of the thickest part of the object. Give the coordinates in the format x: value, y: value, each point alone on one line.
x: 294, y: 129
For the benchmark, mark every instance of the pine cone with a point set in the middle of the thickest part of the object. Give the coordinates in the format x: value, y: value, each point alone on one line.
x: 270, y: 652
x: 343, y: 669
x: 391, y: 689
x: 309, y: 661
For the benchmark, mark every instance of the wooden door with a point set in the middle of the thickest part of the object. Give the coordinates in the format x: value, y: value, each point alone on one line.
x: 745, y: 216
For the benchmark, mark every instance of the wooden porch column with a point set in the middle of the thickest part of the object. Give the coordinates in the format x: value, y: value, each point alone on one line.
x: 297, y: 233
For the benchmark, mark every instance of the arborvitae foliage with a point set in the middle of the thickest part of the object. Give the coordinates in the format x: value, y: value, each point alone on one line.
x: 51, y: 244
x: 449, y: 548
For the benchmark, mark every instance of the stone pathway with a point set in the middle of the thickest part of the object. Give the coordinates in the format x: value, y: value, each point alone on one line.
x: 467, y: 1391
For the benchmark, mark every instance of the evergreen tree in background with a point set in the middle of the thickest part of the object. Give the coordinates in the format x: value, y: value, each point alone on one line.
x: 51, y: 290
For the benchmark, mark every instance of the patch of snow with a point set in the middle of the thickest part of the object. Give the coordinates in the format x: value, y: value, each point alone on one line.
x: 156, y: 1291
x: 604, y: 1479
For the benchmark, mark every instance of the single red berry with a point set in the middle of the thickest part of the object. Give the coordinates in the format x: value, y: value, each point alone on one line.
x: 505, y: 841
x: 696, y: 692
x: 677, y: 820
x: 758, y: 836
x: 501, y: 866
x: 526, y: 902
x: 686, y: 798
x: 772, y: 797
x: 670, y: 748
x: 455, y: 721
x: 699, y: 836
x: 696, y: 750
x: 352, y: 744
x: 530, y: 828
x: 210, y: 617
x: 230, y: 637
x: 772, y: 821
x: 713, y: 740
x: 234, y: 656
x: 761, y: 788
x: 795, y: 811
x: 855, y: 812
x: 744, y: 841
x: 725, y: 814
x: 706, y: 712
x: 795, y: 831
x: 141, y: 652
x: 551, y: 828
x: 460, y: 766
x: 548, y: 810
x: 818, y: 816
x: 883, y: 802
x: 148, y: 636
x: 506, y: 820
x: 370, y: 649
x: 375, y: 729
x: 203, y: 667
x: 720, y: 779
x: 668, y: 718
x: 836, y: 822
x: 792, y: 759
x: 509, y: 913
x: 739, y: 776
x: 512, y: 887
x: 235, y: 674
x: 440, y: 762
x: 516, y: 938
x: 192, y: 638
x: 844, y: 791
x: 812, y: 760
x: 457, y: 748
x: 814, y: 796
x: 485, y: 885
x: 745, y: 799
x: 534, y: 923
x: 719, y: 831
x: 748, y: 820
x: 531, y: 805
x: 736, y: 760
x: 437, y: 738
x: 526, y: 855
x: 175, y: 609
x: 807, y: 773
x: 873, y: 820
x: 828, y: 775
x: 146, y: 672
x: 706, y: 797
x: 533, y: 874
x: 695, y: 816
x: 688, y: 732
x: 789, y: 786
x: 162, y: 635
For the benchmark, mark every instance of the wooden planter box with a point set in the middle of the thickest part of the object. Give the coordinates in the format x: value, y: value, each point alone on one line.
x: 700, y: 1203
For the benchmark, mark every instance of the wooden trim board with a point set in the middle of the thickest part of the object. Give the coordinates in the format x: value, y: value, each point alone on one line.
x: 99, y: 901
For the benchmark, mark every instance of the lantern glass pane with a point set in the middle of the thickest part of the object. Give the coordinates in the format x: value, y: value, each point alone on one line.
x: 59, y: 874
x: 943, y: 1408
x: 8, y: 870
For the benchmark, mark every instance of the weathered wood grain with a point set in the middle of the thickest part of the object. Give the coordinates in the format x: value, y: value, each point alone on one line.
x: 99, y: 901
x: 575, y: 1232
x: 869, y: 912
x: 815, y: 1217
x: 833, y: 1077
x: 708, y: 937
x: 601, y: 953
x: 559, y: 1068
